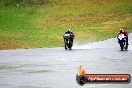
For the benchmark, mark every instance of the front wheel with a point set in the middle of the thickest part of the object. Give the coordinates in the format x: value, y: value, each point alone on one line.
x: 122, y: 46
x: 70, y: 45
x: 66, y: 46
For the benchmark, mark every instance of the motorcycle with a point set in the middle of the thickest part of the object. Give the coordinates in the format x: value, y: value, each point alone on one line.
x: 68, y: 42
x: 122, y: 42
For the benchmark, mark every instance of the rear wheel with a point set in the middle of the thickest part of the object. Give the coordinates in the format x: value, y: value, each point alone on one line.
x: 126, y: 47
x: 65, y: 46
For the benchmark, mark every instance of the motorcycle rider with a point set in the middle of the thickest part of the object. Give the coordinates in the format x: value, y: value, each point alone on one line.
x: 71, y: 34
x: 123, y: 31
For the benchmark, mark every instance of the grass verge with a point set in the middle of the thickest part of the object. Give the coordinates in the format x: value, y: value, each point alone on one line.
x: 35, y: 26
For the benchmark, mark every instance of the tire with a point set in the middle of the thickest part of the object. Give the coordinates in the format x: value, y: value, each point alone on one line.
x: 126, y: 47
x: 70, y: 45
x: 66, y: 45
x: 122, y: 46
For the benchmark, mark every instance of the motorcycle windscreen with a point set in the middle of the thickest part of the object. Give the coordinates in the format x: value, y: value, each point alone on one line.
x: 66, y: 36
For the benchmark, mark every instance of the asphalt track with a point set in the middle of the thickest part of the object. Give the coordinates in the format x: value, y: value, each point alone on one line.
x: 56, y: 67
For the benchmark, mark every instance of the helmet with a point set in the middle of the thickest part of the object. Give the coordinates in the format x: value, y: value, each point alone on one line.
x: 69, y: 30
x: 122, y: 30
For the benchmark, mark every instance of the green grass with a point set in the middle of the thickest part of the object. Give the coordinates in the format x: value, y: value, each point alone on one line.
x: 29, y: 26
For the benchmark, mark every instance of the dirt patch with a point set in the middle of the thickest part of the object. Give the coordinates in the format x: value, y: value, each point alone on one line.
x: 12, y: 34
x: 13, y: 45
x: 40, y: 3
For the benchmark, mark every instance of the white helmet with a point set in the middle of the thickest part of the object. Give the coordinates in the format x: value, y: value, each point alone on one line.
x: 69, y: 30
x: 122, y: 30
